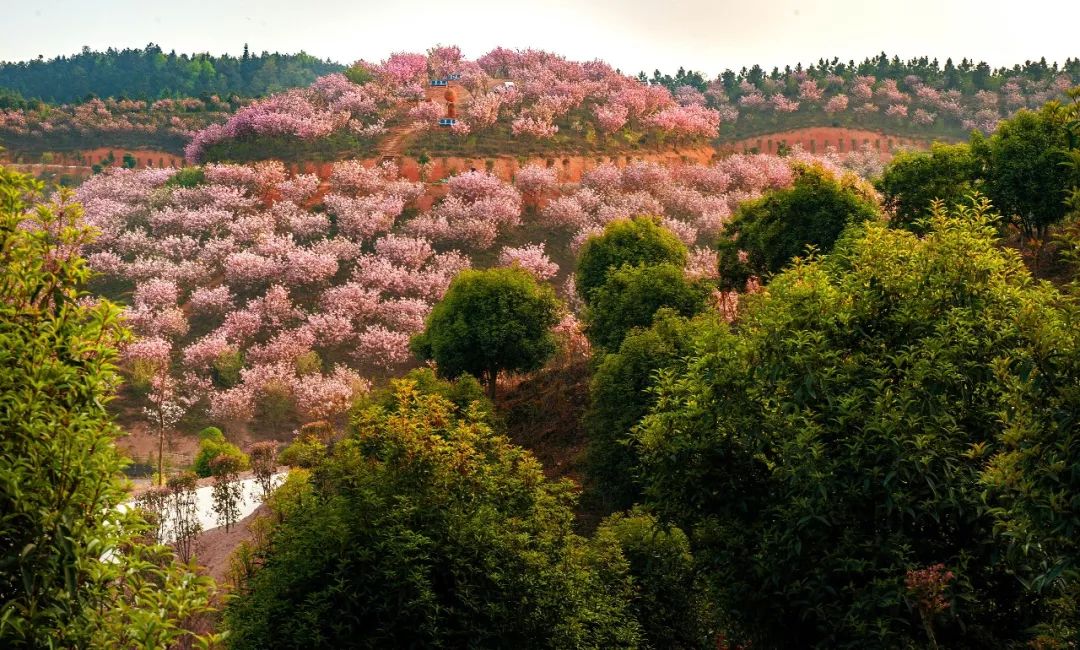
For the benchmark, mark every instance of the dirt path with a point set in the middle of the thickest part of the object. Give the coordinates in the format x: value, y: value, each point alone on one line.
x: 392, y: 145
x: 215, y: 547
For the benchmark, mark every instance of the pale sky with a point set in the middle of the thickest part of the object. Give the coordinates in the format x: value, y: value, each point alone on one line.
x: 629, y: 34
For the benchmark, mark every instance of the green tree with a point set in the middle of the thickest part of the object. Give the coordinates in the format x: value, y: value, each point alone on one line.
x: 914, y: 179
x: 620, y: 394
x: 782, y: 224
x: 60, y: 480
x: 490, y: 321
x: 426, y: 529
x: 669, y: 600
x: 638, y: 241
x: 1024, y: 168
x: 212, y: 443
x: 631, y: 297
x: 838, y: 440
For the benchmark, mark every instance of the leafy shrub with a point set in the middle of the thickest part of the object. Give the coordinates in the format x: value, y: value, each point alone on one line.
x: 669, y: 601
x: 840, y: 439
x: 306, y: 451
x: 620, y: 395
x: 914, y: 179
x: 187, y: 177
x: 59, y: 493
x: 212, y: 443
x: 631, y: 296
x: 633, y: 242
x: 425, y: 529
x: 464, y: 392
x: 779, y: 226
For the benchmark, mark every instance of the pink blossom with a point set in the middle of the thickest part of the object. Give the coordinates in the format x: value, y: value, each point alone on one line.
x: 702, y: 263
x: 154, y: 350
x: 216, y: 300
x: 410, y: 252
x: 782, y: 104
x: 809, y: 91
x: 535, y: 127
x: 535, y: 180
x: 299, y: 188
x: 156, y: 293
x: 837, y: 104
x: 687, y: 233
x: 236, y: 404
x: 532, y: 258
x: 203, y: 352
x: 611, y: 117
x: 897, y: 110
x: 383, y: 348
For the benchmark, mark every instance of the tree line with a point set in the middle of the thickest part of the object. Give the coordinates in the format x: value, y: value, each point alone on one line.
x: 150, y: 73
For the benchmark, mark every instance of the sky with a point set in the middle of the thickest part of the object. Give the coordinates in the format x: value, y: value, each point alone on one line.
x: 633, y: 35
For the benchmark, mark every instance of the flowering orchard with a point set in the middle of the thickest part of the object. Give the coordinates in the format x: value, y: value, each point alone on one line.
x: 257, y: 296
x: 167, y: 123
x: 548, y: 95
x: 255, y: 293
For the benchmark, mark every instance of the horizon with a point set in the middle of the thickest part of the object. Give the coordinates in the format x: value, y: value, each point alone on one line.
x: 775, y: 34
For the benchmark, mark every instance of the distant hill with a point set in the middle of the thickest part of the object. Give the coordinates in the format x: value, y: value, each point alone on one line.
x: 150, y: 74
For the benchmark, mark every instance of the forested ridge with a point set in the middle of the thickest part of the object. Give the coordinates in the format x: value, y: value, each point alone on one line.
x: 151, y: 73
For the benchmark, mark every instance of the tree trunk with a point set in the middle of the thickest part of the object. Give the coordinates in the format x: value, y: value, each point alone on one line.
x: 161, y: 456
x: 492, y: 376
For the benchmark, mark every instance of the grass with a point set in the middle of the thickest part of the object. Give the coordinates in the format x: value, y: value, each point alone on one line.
x: 338, y: 146
x: 753, y: 125
x: 22, y: 147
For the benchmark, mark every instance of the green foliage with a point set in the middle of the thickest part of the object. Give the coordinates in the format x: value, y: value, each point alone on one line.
x: 669, y: 601
x: 288, y: 148
x: 839, y: 439
x: 630, y: 297
x: 620, y: 395
x: 1024, y: 168
x: 212, y: 443
x: 914, y: 179
x: 359, y: 74
x: 464, y: 392
x: 306, y: 451
x: 488, y: 322
x: 150, y: 74
x: 60, y: 479
x: 425, y: 529
x: 225, y: 370
x: 187, y: 177
x: 638, y: 241
x: 781, y: 225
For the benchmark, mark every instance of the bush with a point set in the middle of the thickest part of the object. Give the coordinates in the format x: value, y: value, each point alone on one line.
x: 779, y: 226
x: 306, y: 451
x: 464, y: 392
x: 60, y: 493
x: 913, y: 179
x: 633, y: 242
x: 425, y: 529
x: 669, y: 601
x: 839, y: 440
x: 620, y: 395
x: 187, y: 177
x: 1024, y: 167
x: 212, y: 443
x: 631, y: 296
